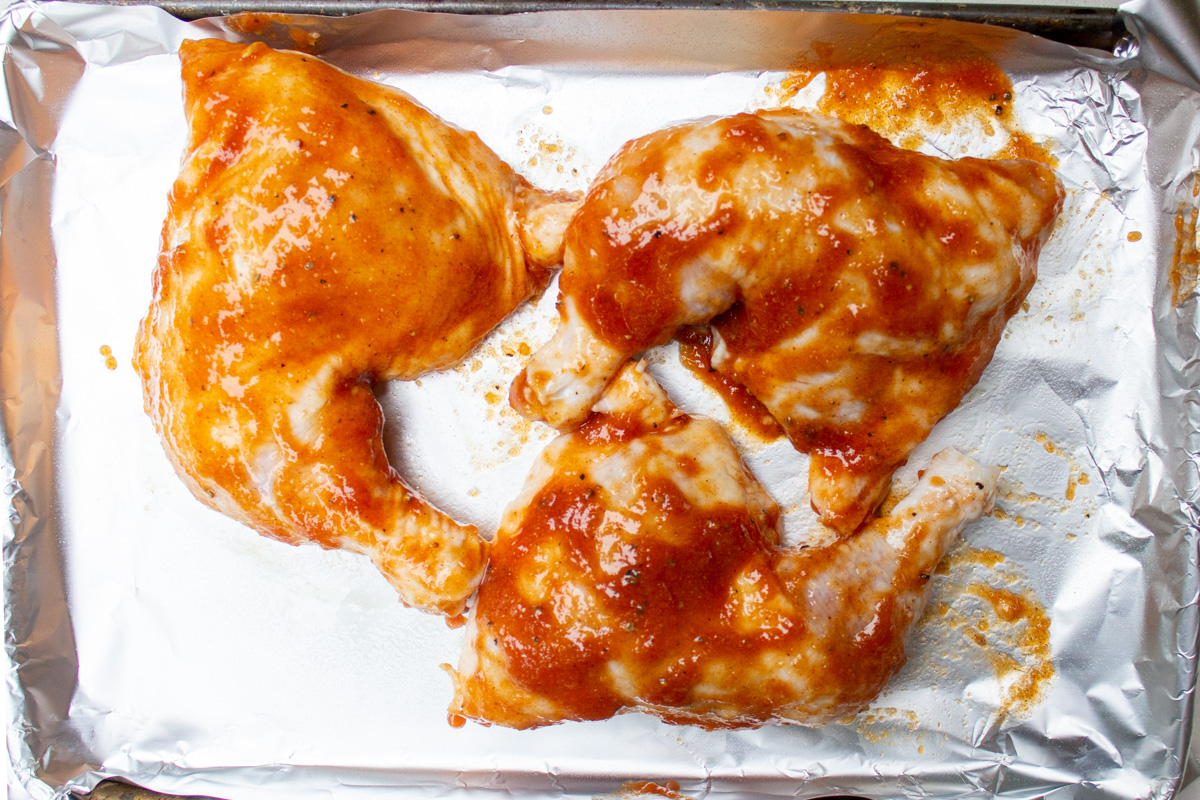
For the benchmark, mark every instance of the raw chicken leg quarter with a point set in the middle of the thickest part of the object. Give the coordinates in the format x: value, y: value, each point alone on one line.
x: 856, y: 289
x: 324, y: 233
x: 640, y: 570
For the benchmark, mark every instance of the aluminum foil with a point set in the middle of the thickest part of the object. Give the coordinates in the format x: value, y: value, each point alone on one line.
x: 151, y: 639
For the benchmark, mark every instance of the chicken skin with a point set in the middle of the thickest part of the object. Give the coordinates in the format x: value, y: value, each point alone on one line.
x: 325, y: 233
x: 856, y: 289
x: 640, y: 570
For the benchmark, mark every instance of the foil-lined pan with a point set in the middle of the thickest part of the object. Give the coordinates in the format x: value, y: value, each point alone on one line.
x: 153, y: 640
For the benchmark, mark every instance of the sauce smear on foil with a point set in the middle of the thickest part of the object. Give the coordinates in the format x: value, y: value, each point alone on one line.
x: 1010, y: 627
x: 1030, y: 667
x: 903, y: 80
x: 1185, y: 263
x: 669, y: 789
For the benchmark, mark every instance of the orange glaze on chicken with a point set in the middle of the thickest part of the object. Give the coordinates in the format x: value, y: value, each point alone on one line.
x: 856, y: 289
x: 325, y: 233
x: 641, y: 570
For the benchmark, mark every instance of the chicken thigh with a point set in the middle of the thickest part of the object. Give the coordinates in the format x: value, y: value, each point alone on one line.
x: 325, y: 233
x: 640, y: 570
x: 858, y: 289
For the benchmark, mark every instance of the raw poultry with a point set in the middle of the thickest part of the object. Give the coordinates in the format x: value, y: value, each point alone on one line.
x: 641, y: 569
x: 326, y: 233
x: 856, y: 289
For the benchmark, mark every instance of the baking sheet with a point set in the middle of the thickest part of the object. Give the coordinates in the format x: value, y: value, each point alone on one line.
x: 152, y: 639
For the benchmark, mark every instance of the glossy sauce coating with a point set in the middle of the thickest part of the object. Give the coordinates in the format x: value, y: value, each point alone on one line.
x: 666, y: 599
x: 856, y: 289
x: 324, y: 233
x: 641, y: 569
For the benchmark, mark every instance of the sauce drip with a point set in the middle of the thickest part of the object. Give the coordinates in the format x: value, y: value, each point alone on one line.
x: 695, y: 351
x: 109, y: 360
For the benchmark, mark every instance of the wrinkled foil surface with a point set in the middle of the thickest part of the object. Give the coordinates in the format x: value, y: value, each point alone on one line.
x: 151, y: 639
